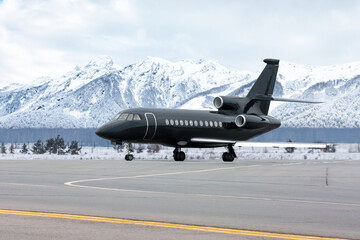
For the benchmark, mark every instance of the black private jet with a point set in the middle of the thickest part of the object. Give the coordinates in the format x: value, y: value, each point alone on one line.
x: 236, y: 119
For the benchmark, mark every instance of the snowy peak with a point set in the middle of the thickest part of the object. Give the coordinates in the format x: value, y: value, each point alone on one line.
x: 315, y: 74
x: 91, y: 94
x: 100, y: 62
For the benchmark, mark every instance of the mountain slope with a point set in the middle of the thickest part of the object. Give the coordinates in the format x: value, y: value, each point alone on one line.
x: 90, y: 95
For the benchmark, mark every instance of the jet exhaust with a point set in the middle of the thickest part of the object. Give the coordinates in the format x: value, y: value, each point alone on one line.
x: 251, y: 121
x: 240, y: 121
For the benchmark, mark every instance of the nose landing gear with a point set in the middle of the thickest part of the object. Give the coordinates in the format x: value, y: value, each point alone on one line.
x: 178, y: 155
x: 230, y: 155
x: 129, y: 156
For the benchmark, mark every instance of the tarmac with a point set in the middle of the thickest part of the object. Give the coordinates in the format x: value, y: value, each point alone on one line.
x: 195, y: 199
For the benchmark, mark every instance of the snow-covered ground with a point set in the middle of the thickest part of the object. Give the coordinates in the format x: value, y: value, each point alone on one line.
x: 343, y: 152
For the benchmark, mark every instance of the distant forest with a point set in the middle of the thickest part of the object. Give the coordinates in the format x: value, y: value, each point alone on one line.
x: 87, y: 136
x: 84, y: 136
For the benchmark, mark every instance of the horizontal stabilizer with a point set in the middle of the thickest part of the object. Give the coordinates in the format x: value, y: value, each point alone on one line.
x: 270, y: 98
x: 294, y: 100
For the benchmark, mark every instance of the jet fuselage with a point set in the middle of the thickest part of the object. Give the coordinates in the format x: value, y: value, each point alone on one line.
x: 182, y: 128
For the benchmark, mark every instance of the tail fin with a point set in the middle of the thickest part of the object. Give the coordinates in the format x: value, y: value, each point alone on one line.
x: 260, y: 95
x: 265, y: 83
x: 263, y: 88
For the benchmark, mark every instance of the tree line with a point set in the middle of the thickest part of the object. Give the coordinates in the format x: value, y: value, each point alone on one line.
x: 52, y: 146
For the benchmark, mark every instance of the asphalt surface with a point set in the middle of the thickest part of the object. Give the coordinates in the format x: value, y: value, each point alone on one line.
x: 315, y: 198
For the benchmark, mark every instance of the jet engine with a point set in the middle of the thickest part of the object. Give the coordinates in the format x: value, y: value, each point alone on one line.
x: 228, y: 103
x: 251, y: 121
x: 240, y: 121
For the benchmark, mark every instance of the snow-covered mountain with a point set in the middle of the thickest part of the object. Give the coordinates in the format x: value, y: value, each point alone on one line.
x: 90, y: 95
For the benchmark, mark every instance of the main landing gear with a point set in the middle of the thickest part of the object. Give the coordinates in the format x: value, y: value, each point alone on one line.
x: 178, y: 155
x: 129, y: 156
x: 230, y: 155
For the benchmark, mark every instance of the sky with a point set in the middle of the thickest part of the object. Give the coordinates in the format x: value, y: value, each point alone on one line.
x: 50, y: 37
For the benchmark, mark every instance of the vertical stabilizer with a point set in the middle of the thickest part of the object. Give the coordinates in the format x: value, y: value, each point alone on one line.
x: 263, y: 89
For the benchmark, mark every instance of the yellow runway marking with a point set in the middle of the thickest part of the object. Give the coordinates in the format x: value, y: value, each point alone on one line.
x: 165, y: 225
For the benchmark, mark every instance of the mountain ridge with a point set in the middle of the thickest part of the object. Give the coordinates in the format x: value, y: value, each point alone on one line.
x: 90, y: 95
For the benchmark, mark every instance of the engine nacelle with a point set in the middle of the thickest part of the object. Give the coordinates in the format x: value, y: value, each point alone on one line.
x: 251, y: 121
x: 240, y: 121
x: 228, y: 103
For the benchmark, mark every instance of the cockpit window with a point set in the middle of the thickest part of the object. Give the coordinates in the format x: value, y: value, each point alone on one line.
x: 123, y: 116
x: 130, y: 117
x: 117, y: 116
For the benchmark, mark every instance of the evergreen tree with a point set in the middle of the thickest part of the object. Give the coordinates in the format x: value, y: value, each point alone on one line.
x: 50, y: 146
x: 153, y: 148
x: 38, y: 147
x: 24, y: 149
x: 140, y: 148
x: 11, y: 148
x: 156, y: 148
x: 149, y: 148
x: 60, y: 145
x: 3, y: 148
x: 74, y: 148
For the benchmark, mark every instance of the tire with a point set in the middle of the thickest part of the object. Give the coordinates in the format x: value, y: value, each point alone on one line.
x: 129, y: 157
x: 180, y: 156
x: 227, y: 157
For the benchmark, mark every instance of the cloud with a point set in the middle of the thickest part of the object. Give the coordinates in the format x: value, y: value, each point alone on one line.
x: 49, y: 37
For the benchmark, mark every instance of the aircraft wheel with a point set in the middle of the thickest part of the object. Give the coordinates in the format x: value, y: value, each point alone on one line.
x: 180, y: 156
x: 129, y: 157
x: 227, y: 157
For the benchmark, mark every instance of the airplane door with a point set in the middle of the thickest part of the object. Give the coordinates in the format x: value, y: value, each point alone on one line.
x: 151, y: 126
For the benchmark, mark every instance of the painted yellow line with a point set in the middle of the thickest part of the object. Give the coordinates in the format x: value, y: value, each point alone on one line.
x: 165, y: 225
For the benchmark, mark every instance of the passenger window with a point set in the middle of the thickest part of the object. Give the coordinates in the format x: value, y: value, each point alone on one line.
x: 215, y: 124
x: 176, y: 122
x: 191, y: 123
x: 186, y: 123
x: 211, y: 123
x: 196, y: 123
x: 206, y: 123
x: 137, y: 117
x: 201, y: 123
x: 167, y: 121
x: 130, y: 117
x: 220, y: 124
x: 123, y: 116
x: 172, y: 122
x: 181, y: 122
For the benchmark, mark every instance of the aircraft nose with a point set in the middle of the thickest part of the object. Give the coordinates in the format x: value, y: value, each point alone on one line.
x: 105, y: 131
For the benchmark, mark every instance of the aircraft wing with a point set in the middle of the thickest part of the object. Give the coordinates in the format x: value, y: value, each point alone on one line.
x: 281, y: 144
x: 209, y: 140
x: 262, y: 144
